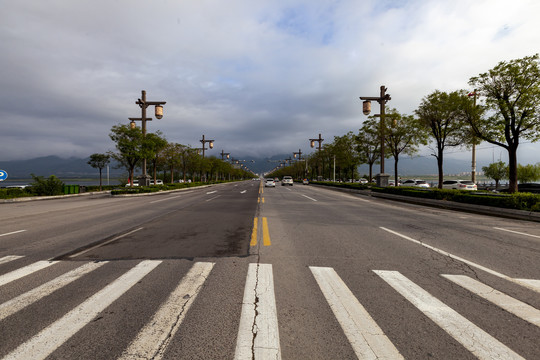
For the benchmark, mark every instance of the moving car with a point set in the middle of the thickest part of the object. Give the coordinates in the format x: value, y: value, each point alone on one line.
x: 415, y: 183
x: 269, y: 183
x: 305, y: 182
x: 459, y: 185
x: 287, y: 180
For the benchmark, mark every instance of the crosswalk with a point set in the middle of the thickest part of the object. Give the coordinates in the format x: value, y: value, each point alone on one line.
x: 258, y: 328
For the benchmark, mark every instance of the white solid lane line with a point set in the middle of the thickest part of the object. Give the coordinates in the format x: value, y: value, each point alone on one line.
x: 530, y: 284
x: 13, y: 232
x: 9, y: 258
x: 517, y: 232
x: 24, y: 271
x: 310, y: 198
x: 104, y: 243
x: 211, y: 192
x: 365, y: 336
x: 49, y: 339
x: 258, y: 334
x: 153, y: 339
x: 516, y: 307
x: 476, y: 340
x: 20, y: 302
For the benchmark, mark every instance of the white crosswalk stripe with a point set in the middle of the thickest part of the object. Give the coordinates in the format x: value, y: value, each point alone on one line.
x: 25, y: 271
x: 476, y: 340
x: 258, y: 331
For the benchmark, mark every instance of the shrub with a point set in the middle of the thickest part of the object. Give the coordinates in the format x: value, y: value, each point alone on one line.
x: 45, y: 187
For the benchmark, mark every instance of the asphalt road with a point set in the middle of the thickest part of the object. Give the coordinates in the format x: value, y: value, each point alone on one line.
x: 241, y: 271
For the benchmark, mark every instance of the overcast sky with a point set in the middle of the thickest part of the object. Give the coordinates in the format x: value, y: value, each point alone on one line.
x: 260, y: 77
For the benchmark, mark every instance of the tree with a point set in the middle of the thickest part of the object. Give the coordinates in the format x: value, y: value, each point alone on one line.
x: 47, y: 187
x: 171, y: 156
x: 403, y: 134
x: 343, y: 151
x: 528, y: 173
x: 496, y: 171
x: 368, y: 144
x: 155, y: 144
x: 441, y: 113
x: 129, y: 144
x: 99, y: 161
x: 512, y: 103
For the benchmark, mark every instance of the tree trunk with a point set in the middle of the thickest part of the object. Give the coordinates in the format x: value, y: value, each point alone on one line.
x: 99, y: 179
x: 396, y: 159
x: 440, y: 166
x: 512, y: 169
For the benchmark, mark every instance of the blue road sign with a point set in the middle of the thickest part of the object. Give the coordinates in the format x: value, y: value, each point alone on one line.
x: 3, y: 175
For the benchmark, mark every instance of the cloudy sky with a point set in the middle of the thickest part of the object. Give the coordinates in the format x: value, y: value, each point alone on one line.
x: 260, y: 77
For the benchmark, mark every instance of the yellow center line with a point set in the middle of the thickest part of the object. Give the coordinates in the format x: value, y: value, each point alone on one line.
x: 254, y: 233
x: 266, y: 233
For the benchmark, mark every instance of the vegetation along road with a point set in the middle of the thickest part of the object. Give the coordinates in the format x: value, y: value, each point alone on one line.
x: 239, y: 271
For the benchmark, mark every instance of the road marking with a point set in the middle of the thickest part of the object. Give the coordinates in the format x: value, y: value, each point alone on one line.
x: 308, y: 197
x: 49, y: 339
x: 476, y: 340
x: 24, y: 271
x: 211, y: 192
x: 13, y: 232
x: 516, y: 232
x: 266, y: 232
x: 258, y: 334
x: 365, y: 336
x: 530, y: 284
x: 105, y: 243
x: 20, y: 302
x: 254, y: 232
x: 215, y: 197
x: 169, y: 198
x: 516, y: 307
x: 9, y: 258
x: 243, y: 192
x: 153, y: 339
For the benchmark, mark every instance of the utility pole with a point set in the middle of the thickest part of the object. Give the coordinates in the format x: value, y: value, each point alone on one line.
x: 312, y: 144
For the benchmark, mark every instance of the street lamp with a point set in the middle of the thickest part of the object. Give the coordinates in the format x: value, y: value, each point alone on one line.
x: 312, y: 144
x: 299, y: 153
x: 382, y: 178
x: 224, y: 155
x: 210, y: 145
x: 143, y: 104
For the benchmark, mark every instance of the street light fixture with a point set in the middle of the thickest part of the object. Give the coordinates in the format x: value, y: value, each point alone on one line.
x: 382, y: 178
x: 312, y: 144
x: 210, y: 144
x: 143, y: 104
x: 224, y: 155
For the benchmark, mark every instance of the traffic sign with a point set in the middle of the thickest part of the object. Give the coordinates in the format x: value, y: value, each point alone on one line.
x: 3, y: 175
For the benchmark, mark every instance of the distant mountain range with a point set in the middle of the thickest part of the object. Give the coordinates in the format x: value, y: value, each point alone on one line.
x: 78, y: 167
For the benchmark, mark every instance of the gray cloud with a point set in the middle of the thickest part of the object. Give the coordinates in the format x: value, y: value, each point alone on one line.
x: 261, y: 77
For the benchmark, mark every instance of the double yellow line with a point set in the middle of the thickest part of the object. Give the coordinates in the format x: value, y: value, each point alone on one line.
x: 265, y: 232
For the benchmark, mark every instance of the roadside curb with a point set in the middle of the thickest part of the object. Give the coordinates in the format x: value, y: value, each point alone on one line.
x: 449, y: 205
x: 38, y: 198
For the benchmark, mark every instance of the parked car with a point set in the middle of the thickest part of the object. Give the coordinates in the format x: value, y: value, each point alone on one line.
x: 459, y: 185
x: 135, y: 183
x: 287, y: 180
x: 158, y: 182
x: 269, y: 183
x: 415, y: 183
x: 363, y: 181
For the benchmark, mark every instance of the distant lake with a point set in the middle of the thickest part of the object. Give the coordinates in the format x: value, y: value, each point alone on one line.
x: 82, y: 182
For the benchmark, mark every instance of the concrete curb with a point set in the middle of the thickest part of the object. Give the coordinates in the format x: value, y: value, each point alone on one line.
x: 449, y: 205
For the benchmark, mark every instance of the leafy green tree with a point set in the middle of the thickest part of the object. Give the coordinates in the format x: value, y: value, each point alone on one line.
x: 47, y: 187
x: 368, y: 144
x: 403, y: 134
x: 99, y: 161
x: 155, y: 145
x: 528, y: 173
x: 171, y: 157
x: 496, y: 171
x: 512, y: 103
x: 441, y: 113
x: 129, y: 146
x: 343, y: 149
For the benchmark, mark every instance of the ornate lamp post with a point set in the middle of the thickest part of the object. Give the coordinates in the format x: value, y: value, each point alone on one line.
x: 224, y: 155
x: 382, y: 178
x: 210, y: 144
x: 312, y: 144
x: 143, y: 104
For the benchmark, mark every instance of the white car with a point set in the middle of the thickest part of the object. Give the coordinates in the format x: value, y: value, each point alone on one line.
x: 135, y: 183
x: 158, y: 182
x: 459, y: 185
x: 415, y: 183
x: 363, y: 181
x: 269, y: 183
x: 287, y: 180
